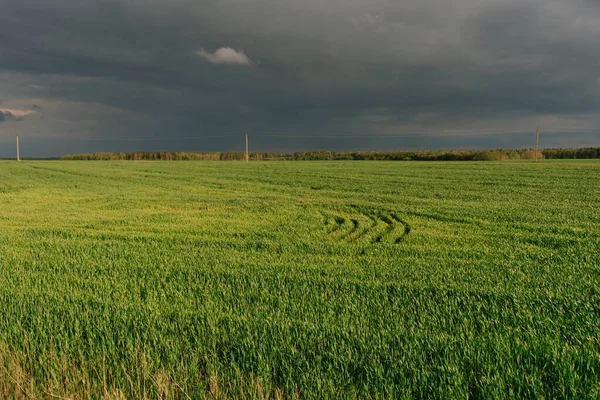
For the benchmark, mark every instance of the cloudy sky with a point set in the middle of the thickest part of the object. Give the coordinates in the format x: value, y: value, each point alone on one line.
x: 121, y: 75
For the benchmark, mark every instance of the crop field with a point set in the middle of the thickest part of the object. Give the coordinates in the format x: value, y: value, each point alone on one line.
x: 299, y: 279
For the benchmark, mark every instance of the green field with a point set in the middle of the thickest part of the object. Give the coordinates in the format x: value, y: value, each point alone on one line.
x: 300, y: 279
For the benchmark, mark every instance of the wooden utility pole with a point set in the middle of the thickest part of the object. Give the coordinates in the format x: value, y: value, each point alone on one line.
x: 537, y: 140
x: 247, y: 157
x: 18, y: 156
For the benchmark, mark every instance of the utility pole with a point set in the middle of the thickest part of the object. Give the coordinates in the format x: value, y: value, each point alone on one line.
x: 247, y: 157
x: 18, y: 156
x: 537, y: 140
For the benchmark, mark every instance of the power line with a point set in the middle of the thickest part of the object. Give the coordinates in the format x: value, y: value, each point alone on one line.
x: 440, y: 134
x: 131, y: 139
x: 341, y: 136
x: 414, y: 135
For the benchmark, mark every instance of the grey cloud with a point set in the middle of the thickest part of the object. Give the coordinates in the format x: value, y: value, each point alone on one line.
x: 8, y: 116
x: 321, y: 67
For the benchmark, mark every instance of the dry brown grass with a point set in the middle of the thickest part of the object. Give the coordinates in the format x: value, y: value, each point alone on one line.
x: 72, y: 382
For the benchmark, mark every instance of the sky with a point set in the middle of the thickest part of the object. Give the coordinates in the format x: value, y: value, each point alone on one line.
x: 195, y: 75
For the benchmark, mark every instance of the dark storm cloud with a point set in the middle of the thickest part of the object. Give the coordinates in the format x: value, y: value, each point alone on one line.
x: 8, y: 116
x: 127, y: 69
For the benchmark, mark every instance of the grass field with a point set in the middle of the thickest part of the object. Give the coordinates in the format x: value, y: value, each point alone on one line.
x: 300, y: 279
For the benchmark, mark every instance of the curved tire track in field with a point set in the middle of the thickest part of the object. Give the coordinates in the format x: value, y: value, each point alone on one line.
x: 359, y: 224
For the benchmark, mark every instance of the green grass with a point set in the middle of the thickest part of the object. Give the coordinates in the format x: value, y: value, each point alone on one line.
x: 307, y: 279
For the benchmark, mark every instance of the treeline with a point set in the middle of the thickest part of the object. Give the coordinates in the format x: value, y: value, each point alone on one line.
x: 588, y: 152
x: 418, y: 155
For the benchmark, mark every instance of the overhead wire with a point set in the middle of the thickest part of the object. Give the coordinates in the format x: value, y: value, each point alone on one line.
x: 440, y: 134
